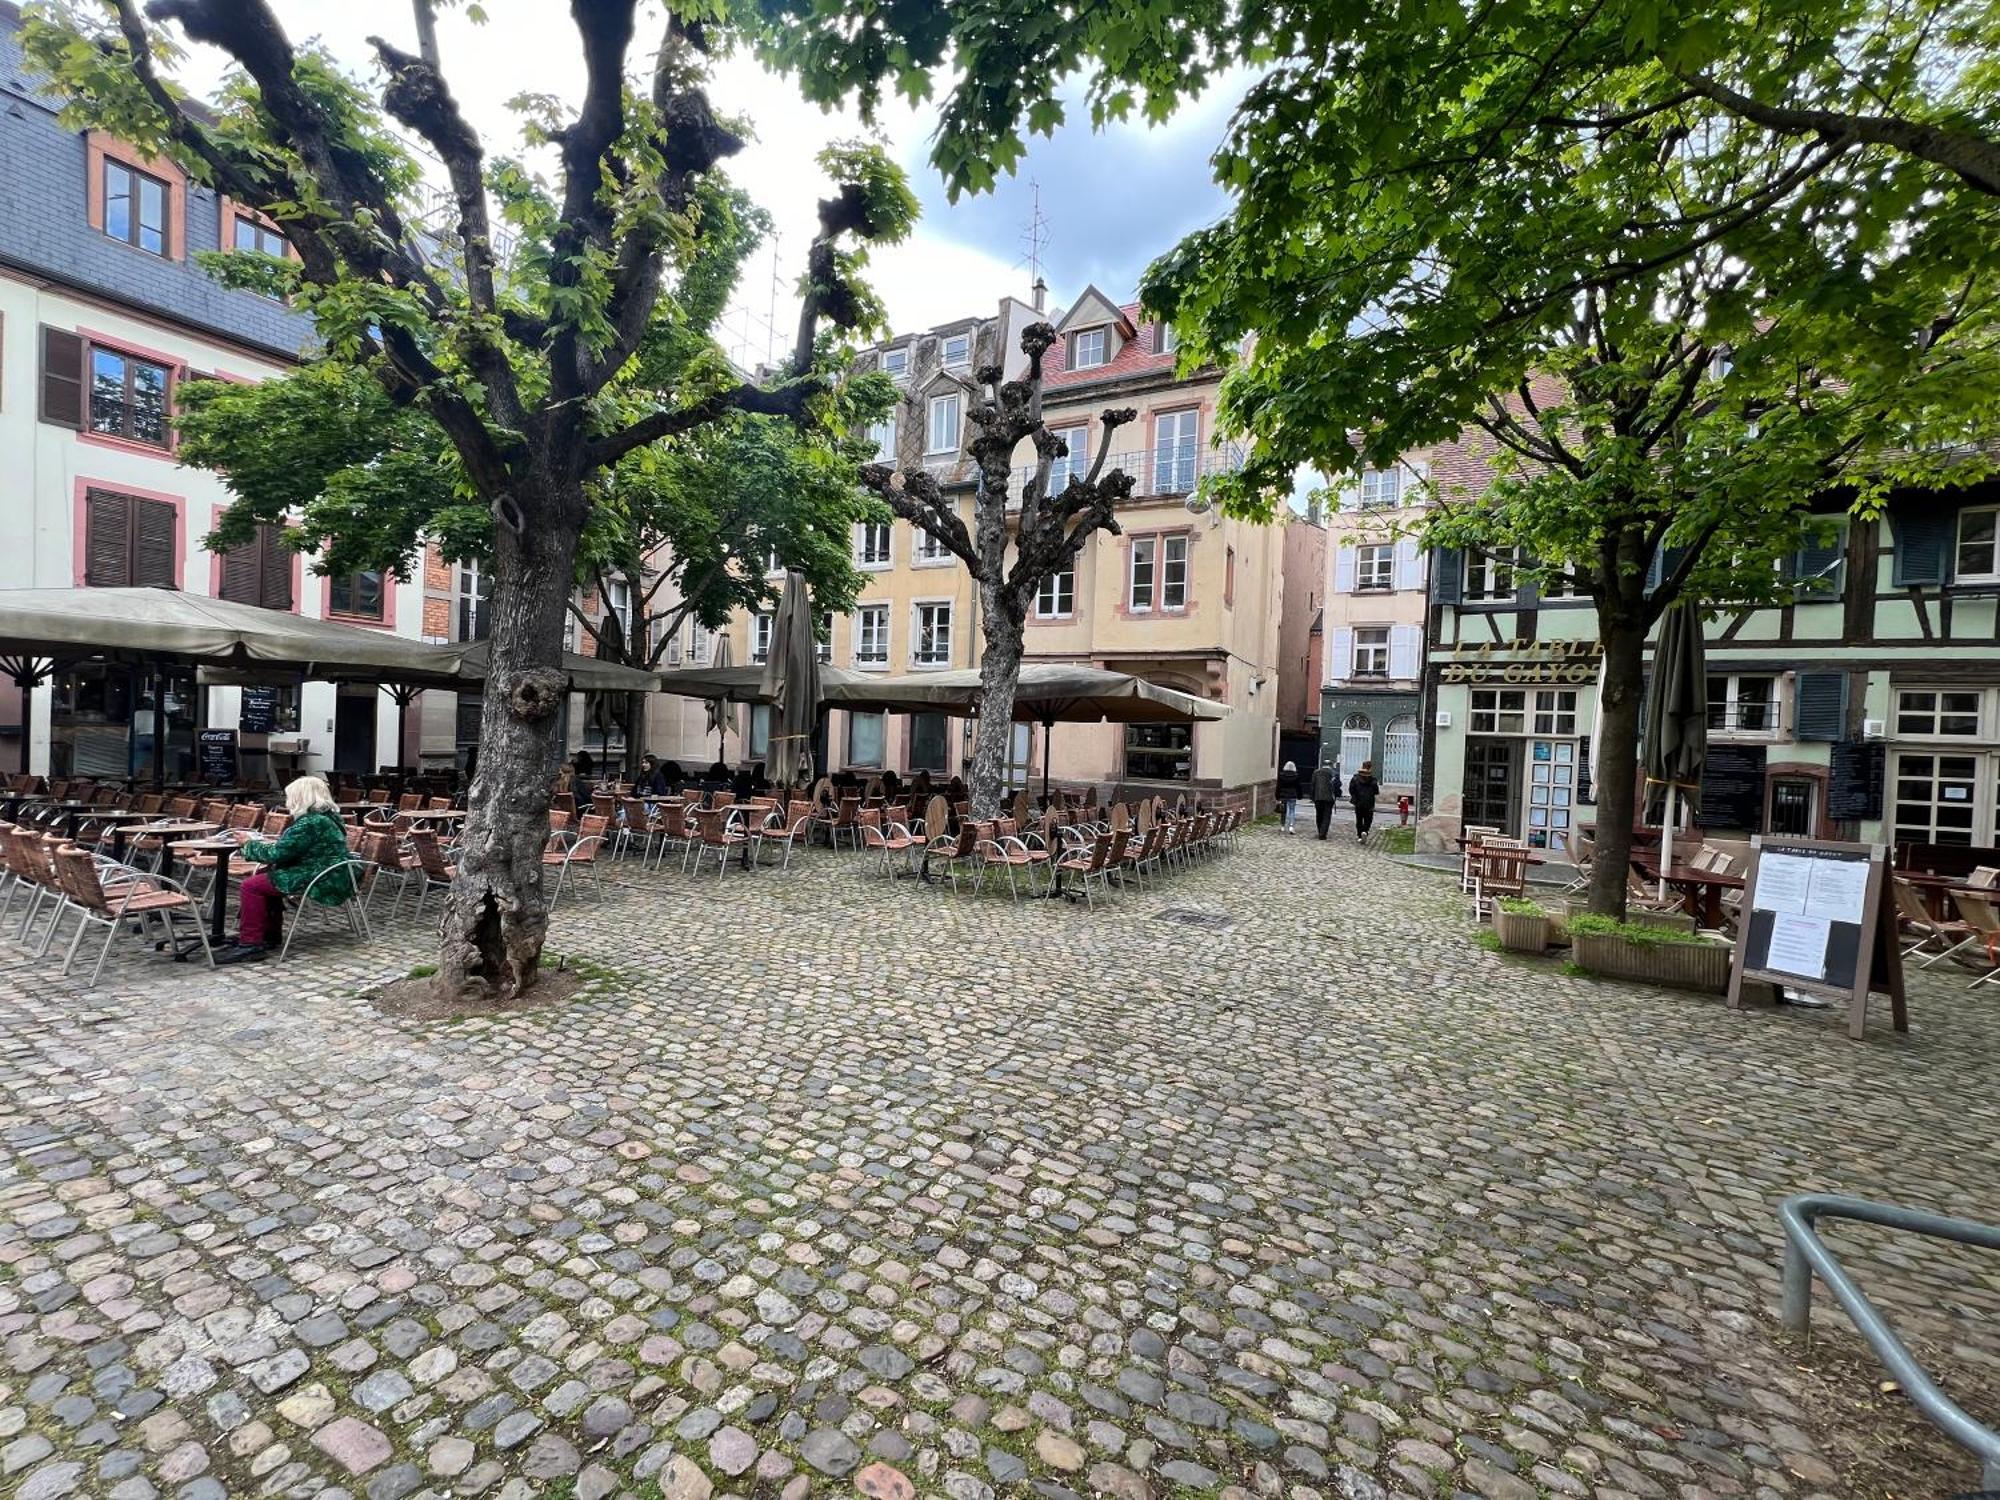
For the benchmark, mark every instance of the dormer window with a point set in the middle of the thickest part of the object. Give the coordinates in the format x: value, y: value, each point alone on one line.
x: 896, y: 363
x: 957, y: 351
x: 1090, y: 348
x: 1170, y: 341
x: 135, y: 207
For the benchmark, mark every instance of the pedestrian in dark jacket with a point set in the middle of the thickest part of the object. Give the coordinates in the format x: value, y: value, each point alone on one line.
x: 1288, y: 795
x: 1362, y: 792
x: 1326, y: 792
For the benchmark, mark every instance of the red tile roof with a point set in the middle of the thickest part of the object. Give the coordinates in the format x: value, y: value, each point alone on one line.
x: 1136, y: 358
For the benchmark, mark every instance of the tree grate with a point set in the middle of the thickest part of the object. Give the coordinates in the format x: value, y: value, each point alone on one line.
x: 1189, y: 918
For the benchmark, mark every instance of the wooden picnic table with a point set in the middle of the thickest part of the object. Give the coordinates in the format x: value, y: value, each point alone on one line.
x: 1700, y: 890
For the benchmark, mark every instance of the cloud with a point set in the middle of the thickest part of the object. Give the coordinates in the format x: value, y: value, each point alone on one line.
x: 1113, y: 200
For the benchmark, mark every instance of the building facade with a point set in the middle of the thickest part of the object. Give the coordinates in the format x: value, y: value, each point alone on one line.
x: 1300, y: 668
x: 105, y: 315
x: 1373, y: 626
x: 1183, y: 597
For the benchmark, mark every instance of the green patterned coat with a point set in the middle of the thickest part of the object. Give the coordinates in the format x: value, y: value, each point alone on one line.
x: 309, y: 844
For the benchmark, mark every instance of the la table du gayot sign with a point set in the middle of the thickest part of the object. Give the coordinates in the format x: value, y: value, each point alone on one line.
x: 1524, y: 662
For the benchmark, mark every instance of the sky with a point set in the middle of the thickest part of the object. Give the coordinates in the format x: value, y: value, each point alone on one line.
x: 1111, y: 201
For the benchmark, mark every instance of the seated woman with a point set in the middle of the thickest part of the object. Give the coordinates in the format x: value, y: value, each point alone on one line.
x: 652, y: 780
x: 314, y: 841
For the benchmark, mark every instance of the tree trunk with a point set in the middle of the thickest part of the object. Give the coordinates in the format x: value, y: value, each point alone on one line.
x: 1004, y: 626
x: 1616, y: 784
x: 495, y: 917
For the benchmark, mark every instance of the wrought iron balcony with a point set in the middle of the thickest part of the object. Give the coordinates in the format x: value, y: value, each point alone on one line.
x: 1172, y: 470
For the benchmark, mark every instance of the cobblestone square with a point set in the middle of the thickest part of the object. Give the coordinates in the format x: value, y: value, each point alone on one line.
x: 832, y: 1185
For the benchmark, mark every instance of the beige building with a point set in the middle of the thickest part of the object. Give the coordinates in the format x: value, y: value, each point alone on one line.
x: 1184, y: 597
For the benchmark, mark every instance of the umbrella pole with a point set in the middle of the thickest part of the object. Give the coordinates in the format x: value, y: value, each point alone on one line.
x: 1048, y: 733
x: 159, y: 727
x: 1666, y: 841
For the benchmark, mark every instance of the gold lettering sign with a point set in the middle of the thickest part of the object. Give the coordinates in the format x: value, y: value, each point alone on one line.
x: 1522, y: 662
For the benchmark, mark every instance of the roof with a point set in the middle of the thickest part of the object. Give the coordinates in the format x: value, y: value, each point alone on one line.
x: 1138, y: 356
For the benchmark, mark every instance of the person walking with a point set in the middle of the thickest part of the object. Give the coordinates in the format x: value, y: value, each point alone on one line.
x: 1326, y: 792
x: 1362, y: 792
x: 1288, y: 795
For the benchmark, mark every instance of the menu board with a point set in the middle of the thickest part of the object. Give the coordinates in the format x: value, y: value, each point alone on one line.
x: 259, y: 711
x: 215, y: 756
x: 1817, y: 917
x: 1732, y: 789
x: 1854, y: 787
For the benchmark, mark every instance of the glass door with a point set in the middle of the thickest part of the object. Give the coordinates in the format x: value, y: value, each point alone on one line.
x: 1489, y: 783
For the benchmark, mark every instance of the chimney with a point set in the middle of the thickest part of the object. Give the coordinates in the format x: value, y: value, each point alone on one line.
x: 1041, y: 295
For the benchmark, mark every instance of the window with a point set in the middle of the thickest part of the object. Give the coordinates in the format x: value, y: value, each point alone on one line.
x: 1170, y: 340
x: 1089, y: 349
x: 472, y: 591
x: 1744, y: 705
x: 884, y: 435
x: 944, y: 424
x: 871, y: 635
x: 930, y: 742
x: 1935, y: 798
x: 760, y: 637
x: 1489, y: 577
x: 1978, y: 537
x: 871, y: 549
x: 1174, y: 452
x: 773, y: 563
x: 932, y: 646
x: 864, y: 739
x: 1381, y: 487
x: 1173, y: 572
x: 1499, y: 710
x: 1375, y: 566
x: 1371, y: 651
x: 1564, y: 585
x: 957, y: 351
x: 135, y: 208
x: 823, y: 648
x: 1937, y: 713
x: 1073, y: 465
x: 129, y: 542
x: 247, y: 234
x: 1159, y: 752
x: 359, y: 596
x: 673, y: 652
x: 896, y: 362
x: 1139, y: 597
x: 698, y: 638
x: 1055, y: 599
x: 260, y: 571
x: 1555, y: 712
x: 128, y: 397
x: 928, y: 548
x: 618, y: 602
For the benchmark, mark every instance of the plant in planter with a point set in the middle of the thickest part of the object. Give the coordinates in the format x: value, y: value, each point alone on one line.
x: 1648, y: 952
x: 1522, y: 926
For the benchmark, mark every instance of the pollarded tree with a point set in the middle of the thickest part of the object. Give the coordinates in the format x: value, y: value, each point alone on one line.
x: 523, y: 360
x: 1045, y: 529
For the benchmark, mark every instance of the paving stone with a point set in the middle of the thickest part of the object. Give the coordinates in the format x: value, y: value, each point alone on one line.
x: 352, y: 1444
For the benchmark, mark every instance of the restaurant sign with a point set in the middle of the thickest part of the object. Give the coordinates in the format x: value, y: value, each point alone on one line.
x: 1523, y: 661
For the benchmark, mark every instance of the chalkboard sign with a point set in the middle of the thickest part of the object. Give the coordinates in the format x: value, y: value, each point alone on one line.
x: 215, y: 752
x: 1819, y: 916
x: 1732, y: 788
x: 259, y: 713
x: 1854, y: 789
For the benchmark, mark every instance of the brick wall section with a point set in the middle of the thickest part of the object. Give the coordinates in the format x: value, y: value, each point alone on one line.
x: 45, y: 227
x: 437, y: 618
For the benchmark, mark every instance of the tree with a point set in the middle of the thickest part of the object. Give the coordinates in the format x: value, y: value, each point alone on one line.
x: 1436, y: 210
x: 527, y: 362
x: 1046, y: 531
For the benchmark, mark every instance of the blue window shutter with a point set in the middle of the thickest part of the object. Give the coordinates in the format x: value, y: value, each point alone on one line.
x: 1819, y: 569
x: 1447, y: 575
x: 1822, y: 706
x: 1924, y: 544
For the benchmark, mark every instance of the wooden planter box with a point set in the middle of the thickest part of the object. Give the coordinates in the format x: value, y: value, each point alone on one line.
x: 1673, y: 921
x: 1519, y: 933
x: 1688, y: 966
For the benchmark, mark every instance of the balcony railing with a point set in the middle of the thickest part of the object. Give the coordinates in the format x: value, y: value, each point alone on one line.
x: 1173, y: 470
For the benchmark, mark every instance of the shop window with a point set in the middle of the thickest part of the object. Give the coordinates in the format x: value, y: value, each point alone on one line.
x: 865, y: 733
x: 1743, y: 705
x: 1936, y: 798
x: 1159, y: 752
x: 1937, y: 713
x: 1499, y: 711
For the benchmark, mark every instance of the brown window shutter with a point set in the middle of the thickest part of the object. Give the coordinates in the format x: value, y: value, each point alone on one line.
x: 62, y: 377
x: 239, y: 572
x: 154, y: 534
x: 107, y: 547
x: 274, y: 590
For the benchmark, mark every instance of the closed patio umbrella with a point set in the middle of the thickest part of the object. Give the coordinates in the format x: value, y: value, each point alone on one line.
x: 1676, y: 727
x: 791, y: 681
x: 718, y: 709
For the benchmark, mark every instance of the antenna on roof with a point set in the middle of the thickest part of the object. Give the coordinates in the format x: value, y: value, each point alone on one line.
x: 1035, y: 240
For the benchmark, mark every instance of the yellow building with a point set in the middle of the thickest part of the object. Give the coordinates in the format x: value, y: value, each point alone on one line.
x: 1184, y: 597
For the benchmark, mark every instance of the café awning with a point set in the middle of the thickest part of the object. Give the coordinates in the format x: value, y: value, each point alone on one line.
x: 743, y: 684
x: 1048, y: 692
x: 586, y: 673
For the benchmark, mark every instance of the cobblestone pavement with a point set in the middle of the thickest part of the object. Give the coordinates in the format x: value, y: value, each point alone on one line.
x: 828, y: 1185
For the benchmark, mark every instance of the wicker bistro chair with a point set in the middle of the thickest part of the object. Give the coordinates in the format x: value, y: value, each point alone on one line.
x: 579, y: 853
x: 142, y: 899
x: 635, y: 826
x: 957, y: 852
x: 1142, y: 855
x: 718, y: 830
x: 434, y: 871
x: 673, y: 826
x: 1005, y: 850
x: 796, y: 828
x: 1081, y: 868
x: 393, y: 864
x: 888, y: 839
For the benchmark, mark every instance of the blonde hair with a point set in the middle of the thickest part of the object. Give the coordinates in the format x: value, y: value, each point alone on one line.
x: 309, y: 794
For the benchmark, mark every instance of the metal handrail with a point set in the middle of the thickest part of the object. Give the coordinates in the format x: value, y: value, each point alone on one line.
x: 1806, y: 1253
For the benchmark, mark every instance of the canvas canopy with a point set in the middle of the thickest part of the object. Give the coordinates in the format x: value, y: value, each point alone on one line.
x: 742, y: 684
x: 1047, y: 693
